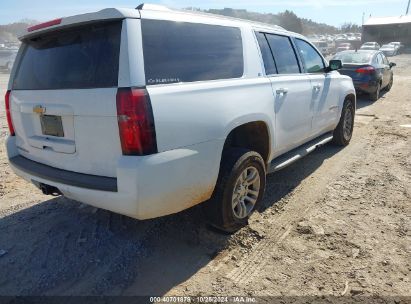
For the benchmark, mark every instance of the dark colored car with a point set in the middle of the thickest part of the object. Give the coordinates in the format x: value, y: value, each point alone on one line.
x: 370, y: 71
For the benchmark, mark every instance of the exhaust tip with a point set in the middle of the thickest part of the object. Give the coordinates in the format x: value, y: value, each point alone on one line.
x: 50, y: 190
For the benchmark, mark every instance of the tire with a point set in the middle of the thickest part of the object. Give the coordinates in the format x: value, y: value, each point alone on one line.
x: 389, y: 86
x: 376, y: 95
x: 343, y: 133
x: 220, y: 210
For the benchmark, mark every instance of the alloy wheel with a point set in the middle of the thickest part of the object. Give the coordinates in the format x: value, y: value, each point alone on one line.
x: 348, y: 123
x: 245, y: 193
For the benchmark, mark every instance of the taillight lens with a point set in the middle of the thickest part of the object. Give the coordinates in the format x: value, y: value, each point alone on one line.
x: 366, y: 70
x: 135, y: 122
x: 8, y: 113
x: 44, y: 25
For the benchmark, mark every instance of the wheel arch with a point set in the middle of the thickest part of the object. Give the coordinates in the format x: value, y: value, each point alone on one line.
x: 254, y: 134
x: 353, y: 98
x: 347, y: 91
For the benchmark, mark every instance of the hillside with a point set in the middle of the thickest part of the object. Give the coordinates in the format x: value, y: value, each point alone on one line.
x: 287, y: 19
x: 9, y: 32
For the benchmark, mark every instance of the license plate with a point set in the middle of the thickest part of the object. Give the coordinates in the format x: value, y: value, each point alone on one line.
x: 51, y: 125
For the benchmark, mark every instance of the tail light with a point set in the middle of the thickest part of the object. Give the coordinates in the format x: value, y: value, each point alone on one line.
x: 136, y: 122
x: 366, y: 70
x: 8, y: 113
x: 44, y: 25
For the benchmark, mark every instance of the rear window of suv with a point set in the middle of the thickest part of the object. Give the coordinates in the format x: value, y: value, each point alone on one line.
x: 84, y: 57
x: 186, y: 52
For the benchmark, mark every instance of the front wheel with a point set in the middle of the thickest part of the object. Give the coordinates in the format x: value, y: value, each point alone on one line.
x: 343, y: 132
x: 239, y: 190
x: 389, y: 86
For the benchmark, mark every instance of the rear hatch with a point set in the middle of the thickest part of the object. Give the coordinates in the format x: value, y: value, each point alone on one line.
x: 63, y: 98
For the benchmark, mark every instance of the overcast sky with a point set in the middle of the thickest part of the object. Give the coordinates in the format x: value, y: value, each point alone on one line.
x: 334, y: 12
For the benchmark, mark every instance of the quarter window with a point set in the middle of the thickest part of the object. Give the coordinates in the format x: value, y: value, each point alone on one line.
x: 186, y: 52
x: 268, y: 59
x: 284, y: 55
x: 313, y: 62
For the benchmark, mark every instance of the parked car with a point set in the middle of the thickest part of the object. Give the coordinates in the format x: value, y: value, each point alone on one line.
x: 323, y: 47
x: 148, y: 112
x: 398, y: 45
x: 351, y: 37
x: 370, y: 46
x: 389, y: 50
x: 341, y: 38
x: 371, y: 71
x: 7, y: 57
x: 344, y: 47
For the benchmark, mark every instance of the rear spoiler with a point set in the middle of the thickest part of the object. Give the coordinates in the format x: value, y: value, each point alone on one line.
x: 67, y: 22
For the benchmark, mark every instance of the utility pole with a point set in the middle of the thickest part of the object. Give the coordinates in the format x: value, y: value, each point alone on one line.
x: 408, y: 7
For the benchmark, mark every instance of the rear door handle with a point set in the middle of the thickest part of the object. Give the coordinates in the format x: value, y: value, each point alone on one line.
x: 282, y: 91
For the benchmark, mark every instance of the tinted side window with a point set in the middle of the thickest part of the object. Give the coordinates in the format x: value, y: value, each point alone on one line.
x: 268, y: 59
x: 312, y: 60
x: 83, y: 57
x: 185, y: 52
x: 284, y: 54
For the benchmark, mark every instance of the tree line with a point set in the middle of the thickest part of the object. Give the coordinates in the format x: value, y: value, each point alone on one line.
x: 288, y: 20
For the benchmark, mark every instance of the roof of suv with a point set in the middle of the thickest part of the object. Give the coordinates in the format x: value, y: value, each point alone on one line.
x: 150, y: 12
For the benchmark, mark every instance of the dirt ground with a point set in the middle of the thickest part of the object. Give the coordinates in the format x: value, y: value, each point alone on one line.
x: 335, y: 223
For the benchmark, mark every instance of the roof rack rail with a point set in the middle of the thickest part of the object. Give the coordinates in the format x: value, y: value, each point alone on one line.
x: 153, y: 7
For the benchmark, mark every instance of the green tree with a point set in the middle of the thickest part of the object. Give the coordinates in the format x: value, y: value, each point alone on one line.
x: 350, y: 28
x: 290, y: 21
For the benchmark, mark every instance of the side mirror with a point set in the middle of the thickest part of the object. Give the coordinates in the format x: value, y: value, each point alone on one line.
x: 335, y: 65
x: 392, y: 64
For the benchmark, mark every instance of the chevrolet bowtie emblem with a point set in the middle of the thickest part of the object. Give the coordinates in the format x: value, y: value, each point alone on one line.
x: 39, y: 109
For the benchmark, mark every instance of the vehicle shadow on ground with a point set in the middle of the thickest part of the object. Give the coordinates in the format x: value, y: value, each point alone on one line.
x: 363, y: 100
x: 281, y: 183
x: 62, y: 247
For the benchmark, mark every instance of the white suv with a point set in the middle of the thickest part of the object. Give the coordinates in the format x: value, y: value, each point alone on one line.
x: 150, y: 111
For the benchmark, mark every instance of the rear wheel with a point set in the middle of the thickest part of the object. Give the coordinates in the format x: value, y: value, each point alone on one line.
x: 343, y: 132
x: 376, y: 95
x: 239, y: 190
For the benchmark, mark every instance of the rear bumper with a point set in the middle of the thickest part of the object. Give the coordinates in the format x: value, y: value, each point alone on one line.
x: 69, y: 178
x: 145, y: 187
x: 365, y: 87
